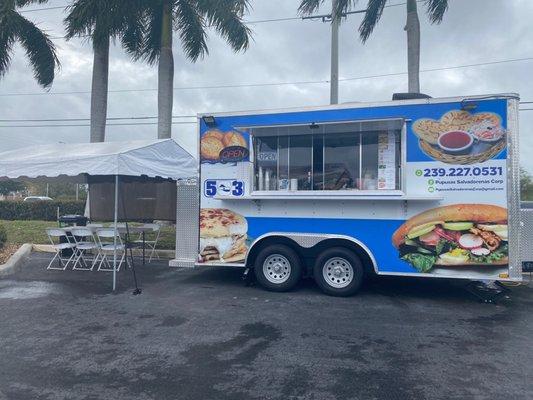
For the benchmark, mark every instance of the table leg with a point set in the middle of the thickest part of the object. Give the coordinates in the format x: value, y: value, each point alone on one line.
x: 144, y: 247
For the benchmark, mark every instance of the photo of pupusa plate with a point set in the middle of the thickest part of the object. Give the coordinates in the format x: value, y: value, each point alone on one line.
x: 460, y: 137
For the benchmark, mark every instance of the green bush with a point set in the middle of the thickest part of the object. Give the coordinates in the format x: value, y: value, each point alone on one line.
x: 3, y: 236
x: 40, y: 211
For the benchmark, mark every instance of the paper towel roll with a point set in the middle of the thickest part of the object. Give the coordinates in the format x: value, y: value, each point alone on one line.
x: 294, y: 184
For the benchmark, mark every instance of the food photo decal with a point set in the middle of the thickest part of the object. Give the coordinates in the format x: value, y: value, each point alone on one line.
x: 223, y: 235
x: 217, y: 146
x: 454, y: 236
x: 460, y: 137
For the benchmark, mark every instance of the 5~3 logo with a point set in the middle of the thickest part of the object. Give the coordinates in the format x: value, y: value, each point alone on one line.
x: 231, y: 188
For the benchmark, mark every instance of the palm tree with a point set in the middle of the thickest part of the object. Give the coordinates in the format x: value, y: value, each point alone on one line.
x: 435, y: 10
x: 37, y: 44
x: 102, y: 21
x: 191, y: 19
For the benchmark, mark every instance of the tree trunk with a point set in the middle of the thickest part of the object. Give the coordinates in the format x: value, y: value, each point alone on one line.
x: 413, y: 46
x: 99, y: 90
x: 166, y: 76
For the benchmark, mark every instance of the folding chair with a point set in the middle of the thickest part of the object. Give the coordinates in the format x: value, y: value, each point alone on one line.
x: 85, y: 242
x: 55, y: 235
x: 106, y: 244
x: 151, y: 244
x: 95, y: 226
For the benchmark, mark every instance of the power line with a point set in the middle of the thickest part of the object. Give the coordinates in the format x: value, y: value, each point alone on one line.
x: 88, y: 119
x: 119, y: 124
x: 139, y: 118
x: 265, y: 84
x: 87, y: 125
x: 42, y: 9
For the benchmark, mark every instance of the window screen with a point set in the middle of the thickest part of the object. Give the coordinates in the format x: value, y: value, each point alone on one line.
x: 362, y: 155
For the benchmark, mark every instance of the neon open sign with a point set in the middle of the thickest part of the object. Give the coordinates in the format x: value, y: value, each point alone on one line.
x: 234, y: 154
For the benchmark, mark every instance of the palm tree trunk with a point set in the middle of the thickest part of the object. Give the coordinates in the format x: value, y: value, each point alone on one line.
x: 99, y: 90
x: 166, y: 76
x: 413, y: 47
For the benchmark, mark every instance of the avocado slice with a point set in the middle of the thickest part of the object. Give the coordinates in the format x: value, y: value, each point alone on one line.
x: 458, y: 226
x: 419, y: 231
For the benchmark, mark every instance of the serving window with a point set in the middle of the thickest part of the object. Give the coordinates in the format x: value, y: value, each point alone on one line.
x: 363, y: 155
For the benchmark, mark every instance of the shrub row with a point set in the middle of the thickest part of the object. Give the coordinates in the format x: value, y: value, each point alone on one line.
x: 39, y: 211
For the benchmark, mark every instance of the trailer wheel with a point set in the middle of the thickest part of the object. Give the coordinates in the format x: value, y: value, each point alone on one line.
x: 277, y: 268
x: 338, y: 272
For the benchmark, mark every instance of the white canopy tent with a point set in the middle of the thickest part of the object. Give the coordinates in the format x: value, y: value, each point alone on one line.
x: 144, y: 158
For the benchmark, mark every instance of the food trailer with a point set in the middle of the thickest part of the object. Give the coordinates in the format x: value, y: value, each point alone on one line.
x: 423, y: 187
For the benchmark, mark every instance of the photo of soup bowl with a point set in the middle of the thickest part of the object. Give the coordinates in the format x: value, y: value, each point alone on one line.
x: 488, y: 135
x: 456, y: 142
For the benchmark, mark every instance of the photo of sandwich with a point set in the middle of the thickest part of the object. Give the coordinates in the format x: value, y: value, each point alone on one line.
x: 223, y: 235
x: 214, y: 141
x: 456, y: 235
x: 460, y: 137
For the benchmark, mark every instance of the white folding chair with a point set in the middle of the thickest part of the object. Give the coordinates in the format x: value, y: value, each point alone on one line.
x: 151, y: 244
x: 85, y: 243
x: 95, y: 226
x: 55, y: 235
x: 106, y: 244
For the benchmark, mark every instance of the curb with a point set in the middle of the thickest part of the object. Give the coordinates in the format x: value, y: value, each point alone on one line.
x: 16, y: 260
x: 165, y: 254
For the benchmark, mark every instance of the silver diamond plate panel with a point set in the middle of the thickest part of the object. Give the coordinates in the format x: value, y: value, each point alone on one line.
x: 186, y: 223
x: 307, y: 241
x: 526, y: 238
x: 513, y: 190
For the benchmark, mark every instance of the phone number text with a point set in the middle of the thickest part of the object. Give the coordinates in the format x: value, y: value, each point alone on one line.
x: 461, y: 171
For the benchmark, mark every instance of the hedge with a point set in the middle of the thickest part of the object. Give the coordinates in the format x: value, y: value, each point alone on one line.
x: 40, y: 210
x: 3, y: 236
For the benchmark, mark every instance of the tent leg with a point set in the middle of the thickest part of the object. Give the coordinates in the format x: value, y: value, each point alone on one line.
x: 115, y: 236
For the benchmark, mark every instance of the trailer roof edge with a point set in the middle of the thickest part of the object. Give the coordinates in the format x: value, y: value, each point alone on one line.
x: 341, y: 106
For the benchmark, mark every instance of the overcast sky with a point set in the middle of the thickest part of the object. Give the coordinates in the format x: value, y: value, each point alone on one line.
x: 474, y: 31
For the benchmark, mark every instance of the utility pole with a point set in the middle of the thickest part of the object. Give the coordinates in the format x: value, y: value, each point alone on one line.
x: 335, y: 19
x: 334, y: 82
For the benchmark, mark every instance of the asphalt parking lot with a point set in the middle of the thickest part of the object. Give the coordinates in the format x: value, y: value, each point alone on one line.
x: 202, y: 334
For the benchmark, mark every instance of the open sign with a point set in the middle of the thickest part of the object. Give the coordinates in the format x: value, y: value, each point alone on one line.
x: 234, y: 154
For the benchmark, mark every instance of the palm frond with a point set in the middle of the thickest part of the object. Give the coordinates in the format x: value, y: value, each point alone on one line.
x: 39, y: 48
x: 374, y: 11
x: 344, y: 6
x: 133, y: 33
x: 436, y: 10
x: 191, y: 27
x: 7, y: 40
x: 151, y: 46
x: 226, y: 16
x: 81, y: 18
x: 24, y: 3
x: 308, y: 7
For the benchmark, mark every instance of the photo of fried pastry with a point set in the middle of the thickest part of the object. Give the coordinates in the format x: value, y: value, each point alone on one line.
x: 460, y: 137
x: 214, y: 141
x: 223, y: 235
x: 457, y: 235
x: 210, y: 148
x: 233, y: 138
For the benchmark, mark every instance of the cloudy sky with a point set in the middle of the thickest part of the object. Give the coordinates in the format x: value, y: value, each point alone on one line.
x: 473, y: 32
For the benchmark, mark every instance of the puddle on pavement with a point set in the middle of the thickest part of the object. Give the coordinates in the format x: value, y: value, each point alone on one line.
x: 26, y: 290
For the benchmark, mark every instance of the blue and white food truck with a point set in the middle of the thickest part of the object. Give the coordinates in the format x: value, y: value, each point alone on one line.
x: 423, y: 187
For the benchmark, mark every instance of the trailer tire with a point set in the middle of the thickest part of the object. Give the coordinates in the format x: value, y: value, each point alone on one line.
x: 338, y: 272
x: 278, y: 268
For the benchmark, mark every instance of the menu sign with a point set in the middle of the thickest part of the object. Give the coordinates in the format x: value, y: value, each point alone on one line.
x: 387, y: 160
